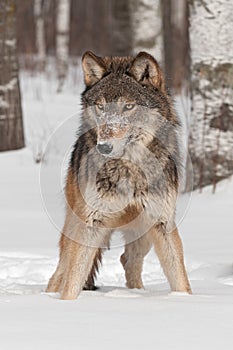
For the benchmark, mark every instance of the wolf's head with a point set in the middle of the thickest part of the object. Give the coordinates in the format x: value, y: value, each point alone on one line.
x: 124, y: 96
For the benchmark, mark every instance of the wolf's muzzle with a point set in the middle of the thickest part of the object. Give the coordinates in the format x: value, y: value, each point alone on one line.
x: 104, y: 148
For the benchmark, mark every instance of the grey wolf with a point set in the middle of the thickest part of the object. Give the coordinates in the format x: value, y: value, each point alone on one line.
x: 123, y: 174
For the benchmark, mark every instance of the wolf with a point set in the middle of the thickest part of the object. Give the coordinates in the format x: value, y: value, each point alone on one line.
x: 123, y: 175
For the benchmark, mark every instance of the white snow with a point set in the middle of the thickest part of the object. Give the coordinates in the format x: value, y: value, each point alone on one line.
x: 112, y: 317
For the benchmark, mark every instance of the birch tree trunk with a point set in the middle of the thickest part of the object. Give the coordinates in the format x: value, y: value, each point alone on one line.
x: 121, y: 28
x: 147, y: 27
x: 11, y: 124
x: 211, y: 137
x: 175, y: 16
x: 40, y: 33
x: 62, y: 40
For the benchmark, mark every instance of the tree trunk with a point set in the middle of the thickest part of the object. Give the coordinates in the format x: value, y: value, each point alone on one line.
x: 176, y: 44
x: 40, y: 35
x: 147, y: 27
x: 11, y: 124
x: 211, y: 137
x: 62, y: 40
x: 121, y: 28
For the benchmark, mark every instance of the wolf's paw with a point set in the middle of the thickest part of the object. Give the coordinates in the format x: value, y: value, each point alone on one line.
x: 53, y: 287
x: 89, y: 286
x: 134, y: 284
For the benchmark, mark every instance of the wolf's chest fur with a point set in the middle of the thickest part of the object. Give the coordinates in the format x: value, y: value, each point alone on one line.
x: 118, y: 177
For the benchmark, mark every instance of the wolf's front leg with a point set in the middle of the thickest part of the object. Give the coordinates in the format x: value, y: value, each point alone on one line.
x: 81, y: 260
x: 132, y: 260
x: 56, y: 279
x: 168, y: 247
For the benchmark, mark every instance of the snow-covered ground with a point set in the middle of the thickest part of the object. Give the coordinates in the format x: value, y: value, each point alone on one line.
x: 112, y: 317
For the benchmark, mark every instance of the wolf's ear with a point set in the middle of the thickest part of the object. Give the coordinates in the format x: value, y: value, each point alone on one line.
x: 146, y: 71
x: 93, y: 68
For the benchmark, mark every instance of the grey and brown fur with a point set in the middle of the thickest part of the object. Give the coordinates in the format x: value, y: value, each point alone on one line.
x: 133, y: 187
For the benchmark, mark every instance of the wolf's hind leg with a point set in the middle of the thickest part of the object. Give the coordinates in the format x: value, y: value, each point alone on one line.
x: 168, y: 247
x: 90, y: 283
x: 132, y: 260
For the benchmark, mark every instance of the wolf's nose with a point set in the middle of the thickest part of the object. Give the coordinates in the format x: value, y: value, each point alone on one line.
x: 104, y: 148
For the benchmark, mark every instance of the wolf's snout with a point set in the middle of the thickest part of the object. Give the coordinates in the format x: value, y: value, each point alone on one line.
x: 105, y: 148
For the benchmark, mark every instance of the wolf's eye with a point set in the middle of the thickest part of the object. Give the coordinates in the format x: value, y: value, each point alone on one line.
x: 129, y: 106
x: 100, y: 106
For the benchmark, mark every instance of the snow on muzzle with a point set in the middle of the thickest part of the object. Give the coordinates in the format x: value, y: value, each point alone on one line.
x: 112, y: 136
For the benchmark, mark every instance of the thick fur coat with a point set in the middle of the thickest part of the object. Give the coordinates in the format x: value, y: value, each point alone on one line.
x: 123, y: 174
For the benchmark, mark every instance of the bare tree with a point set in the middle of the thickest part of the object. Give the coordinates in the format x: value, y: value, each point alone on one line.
x: 121, y: 28
x: 176, y: 44
x: 62, y: 39
x: 147, y: 27
x: 211, y: 137
x: 11, y: 124
x: 40, y: 33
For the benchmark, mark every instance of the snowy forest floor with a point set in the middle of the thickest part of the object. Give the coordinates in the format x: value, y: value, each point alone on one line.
x: 112, y: 317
